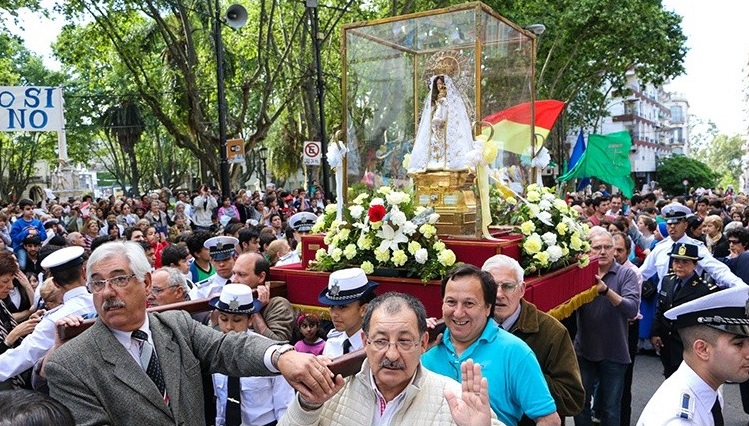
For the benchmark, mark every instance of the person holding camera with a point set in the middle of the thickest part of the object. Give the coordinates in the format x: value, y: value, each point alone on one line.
x: 204, y: 203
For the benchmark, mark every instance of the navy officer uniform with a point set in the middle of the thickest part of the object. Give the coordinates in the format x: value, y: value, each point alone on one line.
x: 674, y: 292
x: 65, y: 265
x: 693, y: 394
x: 220, y: 248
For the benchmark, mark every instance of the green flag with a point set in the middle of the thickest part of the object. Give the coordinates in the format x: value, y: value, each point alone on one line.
x: 606, y: 158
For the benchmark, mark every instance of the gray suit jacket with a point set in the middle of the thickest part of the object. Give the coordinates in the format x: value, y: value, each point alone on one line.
x: 101, y: 383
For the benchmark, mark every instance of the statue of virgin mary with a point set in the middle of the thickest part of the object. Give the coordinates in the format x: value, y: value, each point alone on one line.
x: 444, y: 137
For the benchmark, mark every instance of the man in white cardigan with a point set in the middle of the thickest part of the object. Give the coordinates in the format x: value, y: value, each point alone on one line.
x: 392, y: 387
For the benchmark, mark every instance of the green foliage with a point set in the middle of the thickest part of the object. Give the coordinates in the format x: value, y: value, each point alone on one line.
x: 723, y: 154
x: 673, y: 170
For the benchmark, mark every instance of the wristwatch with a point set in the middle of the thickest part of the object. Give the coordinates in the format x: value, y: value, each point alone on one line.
x: 603, y: 293
x: 277, y: 354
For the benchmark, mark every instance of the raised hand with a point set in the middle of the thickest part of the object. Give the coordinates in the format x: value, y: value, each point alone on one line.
x: 472, y: 408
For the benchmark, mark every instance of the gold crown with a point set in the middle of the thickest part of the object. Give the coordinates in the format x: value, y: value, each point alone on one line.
x: 446, y: 66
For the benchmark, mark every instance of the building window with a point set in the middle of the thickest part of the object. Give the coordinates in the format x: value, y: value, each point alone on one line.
x: 677, y: 115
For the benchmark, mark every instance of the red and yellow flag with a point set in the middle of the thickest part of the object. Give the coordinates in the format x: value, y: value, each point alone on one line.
x: 512, y: 126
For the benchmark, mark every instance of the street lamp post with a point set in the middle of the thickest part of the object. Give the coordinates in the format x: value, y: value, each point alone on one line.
x: 263, y: 153
x: 686, y: 184
x: 312, y: 6
x: 236, y: 16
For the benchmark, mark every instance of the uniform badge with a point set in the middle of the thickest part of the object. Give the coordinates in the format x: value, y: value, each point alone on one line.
x: 234, y: 304
x: 335, y: 288
x: 682, y: 250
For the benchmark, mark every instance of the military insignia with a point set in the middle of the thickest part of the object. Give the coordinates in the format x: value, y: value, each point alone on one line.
x: 687, y: 407
x: 219, y: 246
x: 335, y: 288
x: 682, y: 250
x: 234, y: 304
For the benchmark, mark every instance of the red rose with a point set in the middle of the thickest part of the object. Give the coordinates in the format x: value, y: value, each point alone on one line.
x: 376, y: 212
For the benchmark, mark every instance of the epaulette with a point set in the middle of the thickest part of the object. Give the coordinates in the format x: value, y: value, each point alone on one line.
x: 203, y: 283
x: 51, y: 311
x: 686, y: 407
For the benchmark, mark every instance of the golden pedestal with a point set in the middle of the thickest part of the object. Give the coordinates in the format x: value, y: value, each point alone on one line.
x: 451, y: 196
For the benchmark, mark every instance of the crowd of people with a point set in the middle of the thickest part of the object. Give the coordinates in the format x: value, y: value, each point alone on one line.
x: 670, y: 281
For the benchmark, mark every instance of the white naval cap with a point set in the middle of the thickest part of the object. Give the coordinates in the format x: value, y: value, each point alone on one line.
x: 63, y: 259
x: 725, y: 310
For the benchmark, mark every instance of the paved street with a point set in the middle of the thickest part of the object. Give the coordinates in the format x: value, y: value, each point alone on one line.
x: 648, y: 376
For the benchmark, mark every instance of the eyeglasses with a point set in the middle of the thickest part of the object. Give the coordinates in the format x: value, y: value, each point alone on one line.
x: 402, y: 345
x: 602, y: 247
x: 157, y: 291
x: 733, y: 241
x: 508, y: 287
x: 118, y: 281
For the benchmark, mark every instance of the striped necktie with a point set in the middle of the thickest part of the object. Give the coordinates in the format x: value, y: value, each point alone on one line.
x: 150, y: 362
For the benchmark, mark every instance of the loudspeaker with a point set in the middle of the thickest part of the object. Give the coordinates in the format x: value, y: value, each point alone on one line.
x: 236, y: 16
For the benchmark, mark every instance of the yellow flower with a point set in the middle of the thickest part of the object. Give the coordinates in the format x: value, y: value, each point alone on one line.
x: 399, y: 258
x: 413, y: 247
x: 343, y: 234
x: 367, y: 267
x: 438, y: 246
x: 331, y: 208
x: 376, y: 225
x: 382, y: 256
x: 320, y: 254
x: 511, y: 200
x: 575, y: 242
x: 349, y: 251
x: 561, y: 228
x: 527, y: 227
x: 446, y: 257
x: 533, y: 196
x: 584, y: 261
x: 427, y: 230
x: 384, y: 190
x: 542, y: 257
x: 360, y: 198
x: 336, y: 254
x: 533, y: 244
x: 364, y: 242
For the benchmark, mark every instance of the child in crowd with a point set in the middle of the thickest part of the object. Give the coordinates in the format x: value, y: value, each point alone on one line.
x: 309, y: 326
x: 251, y: 401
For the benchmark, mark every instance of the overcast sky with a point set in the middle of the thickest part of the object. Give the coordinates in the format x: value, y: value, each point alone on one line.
x: 714, y: 83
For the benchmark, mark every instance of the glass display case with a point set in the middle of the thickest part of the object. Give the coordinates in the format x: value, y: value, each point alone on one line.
x: 388, y: 84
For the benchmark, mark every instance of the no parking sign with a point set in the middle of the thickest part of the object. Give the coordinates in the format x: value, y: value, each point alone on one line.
x: 312, y: 152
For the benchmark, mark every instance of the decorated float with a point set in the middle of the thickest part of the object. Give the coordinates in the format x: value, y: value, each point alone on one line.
x: 433, y: 163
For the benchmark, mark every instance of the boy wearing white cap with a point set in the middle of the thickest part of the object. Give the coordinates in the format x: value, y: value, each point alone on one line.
x: 249, y: 401
x: 223, y: 252
x: 715, y: 333
x: 348, y: 293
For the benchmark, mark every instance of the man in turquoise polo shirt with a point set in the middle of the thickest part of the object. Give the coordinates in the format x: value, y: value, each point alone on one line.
x: 516, y: 383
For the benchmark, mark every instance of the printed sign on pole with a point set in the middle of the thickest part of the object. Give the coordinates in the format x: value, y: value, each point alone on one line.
x: 235, y: 150
x: 30, y: 109
x: 312, y: 153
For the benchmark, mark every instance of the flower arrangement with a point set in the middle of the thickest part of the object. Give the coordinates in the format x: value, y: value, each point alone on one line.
x: 383, y: 229
x: 552, y: 235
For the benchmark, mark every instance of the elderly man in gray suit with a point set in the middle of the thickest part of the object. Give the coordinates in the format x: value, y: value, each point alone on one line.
x: 136, y: 368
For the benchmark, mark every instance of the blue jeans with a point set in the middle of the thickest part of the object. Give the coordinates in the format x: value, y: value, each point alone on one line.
x: 610, y: 377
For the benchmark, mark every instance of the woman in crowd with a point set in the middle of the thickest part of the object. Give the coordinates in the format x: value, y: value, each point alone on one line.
x: 695, y: 228
x: 126, y: 217
x: 11, y: 332
x: 90, y: 231
x: 228, y: 209
x: 715, y: 241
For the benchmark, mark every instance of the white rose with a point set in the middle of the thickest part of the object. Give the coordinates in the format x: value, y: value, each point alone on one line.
x: 421, y: 255
x: 356, y: 211
x: 409, y: 228
x: 549, y: 238
x: 544, y: 217
x: 555, y: 253
x: 397, y: 197
x: 544, y: 204
x: 397, y: 217
x: 433, y: 218
x: 377, y: 200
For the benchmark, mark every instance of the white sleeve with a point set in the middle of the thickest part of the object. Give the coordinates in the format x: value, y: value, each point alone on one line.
x: 718, y: 270
x: 17, y: 360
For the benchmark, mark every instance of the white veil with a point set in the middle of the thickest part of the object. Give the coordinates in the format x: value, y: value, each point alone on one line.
x: 459, y: 134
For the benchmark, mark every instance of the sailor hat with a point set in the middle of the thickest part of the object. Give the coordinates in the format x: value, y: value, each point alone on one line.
x: 346, y: 286
x: 303, y: 221
x: 222, y: 247
x: 675, y: 212
x: 236, y: 299
x: 63, y: 259
x: 725, y: 310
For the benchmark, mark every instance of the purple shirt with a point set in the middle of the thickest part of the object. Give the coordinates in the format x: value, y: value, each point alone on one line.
x: 602, y: 328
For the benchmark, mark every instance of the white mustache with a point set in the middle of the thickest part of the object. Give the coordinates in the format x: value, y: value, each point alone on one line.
x: 112, y: 303
x: 386, y: 363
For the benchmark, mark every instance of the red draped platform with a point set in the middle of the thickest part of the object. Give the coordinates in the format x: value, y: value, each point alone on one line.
x: 545, y: 291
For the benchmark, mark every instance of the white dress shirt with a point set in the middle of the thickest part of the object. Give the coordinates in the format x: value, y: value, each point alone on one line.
x: 209, y: 286
x: 77, y: 301
x: 334, y: 345
x: 264, y: 399
x: 683, y: 399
